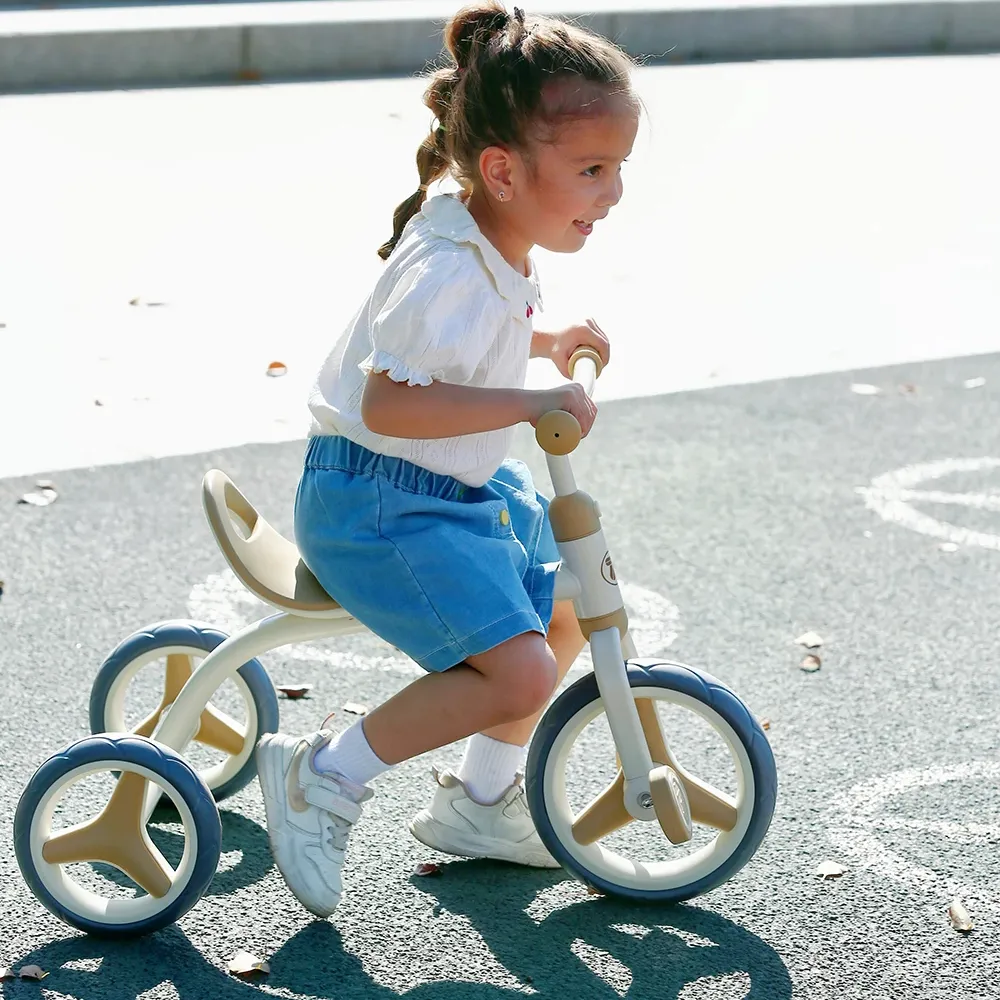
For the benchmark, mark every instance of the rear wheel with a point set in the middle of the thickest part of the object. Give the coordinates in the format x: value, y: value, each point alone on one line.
x: 137, y: 684
x: 85, y: 849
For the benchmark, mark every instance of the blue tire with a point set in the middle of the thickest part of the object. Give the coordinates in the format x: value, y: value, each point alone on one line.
x: 693, y: 684
x: 144, y: 914
x: 204, y: 638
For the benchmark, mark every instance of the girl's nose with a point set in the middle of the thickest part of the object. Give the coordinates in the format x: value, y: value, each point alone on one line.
x: 613, y: 193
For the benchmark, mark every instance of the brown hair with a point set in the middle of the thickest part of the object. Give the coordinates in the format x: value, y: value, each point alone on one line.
x: 492, y: 94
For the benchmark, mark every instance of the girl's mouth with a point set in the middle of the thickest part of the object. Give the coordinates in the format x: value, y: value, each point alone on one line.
x: 585, y: 227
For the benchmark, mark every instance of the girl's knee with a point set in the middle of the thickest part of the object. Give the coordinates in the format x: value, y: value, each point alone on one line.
x: 533, y: 680
x: 522, y: 674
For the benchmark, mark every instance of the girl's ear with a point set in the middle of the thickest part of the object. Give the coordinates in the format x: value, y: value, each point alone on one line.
x: 495, y: 166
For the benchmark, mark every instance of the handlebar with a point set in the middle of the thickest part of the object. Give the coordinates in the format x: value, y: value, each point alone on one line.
x: 558, y: 432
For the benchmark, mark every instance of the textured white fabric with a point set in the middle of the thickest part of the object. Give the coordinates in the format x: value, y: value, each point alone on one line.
x: 489, y: 767
x: 350, y: 756
x: 449, y: 308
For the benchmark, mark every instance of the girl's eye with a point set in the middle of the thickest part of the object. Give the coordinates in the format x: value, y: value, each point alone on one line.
x: 595, y: 170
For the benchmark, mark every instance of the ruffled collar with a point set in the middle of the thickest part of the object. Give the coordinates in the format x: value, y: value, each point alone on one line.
x: 448, y: 217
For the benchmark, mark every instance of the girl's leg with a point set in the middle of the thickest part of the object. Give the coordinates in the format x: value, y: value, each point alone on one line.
x: 311, y: 797
x: 493, y: 758
x: 439, y: 709
x: 566, y: 641
x: 511, y: 682
x: 481, y: 812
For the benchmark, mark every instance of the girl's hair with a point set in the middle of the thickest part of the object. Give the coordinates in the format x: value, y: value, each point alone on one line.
x: 493, y: 93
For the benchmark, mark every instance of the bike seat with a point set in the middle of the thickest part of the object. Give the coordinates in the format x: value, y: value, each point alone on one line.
x: 266, y: 562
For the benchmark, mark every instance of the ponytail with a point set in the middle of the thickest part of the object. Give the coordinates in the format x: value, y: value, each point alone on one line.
x: 432, y: 164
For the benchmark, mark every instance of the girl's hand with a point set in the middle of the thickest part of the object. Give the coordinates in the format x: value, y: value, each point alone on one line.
x: 572, y: 398
x: 565, y: 342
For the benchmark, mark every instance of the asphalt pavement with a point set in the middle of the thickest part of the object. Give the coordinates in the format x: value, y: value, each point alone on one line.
x: 743, y: 516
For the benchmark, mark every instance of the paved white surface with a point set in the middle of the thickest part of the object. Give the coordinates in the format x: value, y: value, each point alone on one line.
x: 779, y: 219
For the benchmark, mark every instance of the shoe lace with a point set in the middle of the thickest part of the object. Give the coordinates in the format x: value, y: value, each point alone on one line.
x: 335, y: 832
x: 518, y: 803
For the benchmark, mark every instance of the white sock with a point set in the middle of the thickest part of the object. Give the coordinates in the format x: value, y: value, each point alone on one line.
x: 489, y: 767
x: 349, y: 754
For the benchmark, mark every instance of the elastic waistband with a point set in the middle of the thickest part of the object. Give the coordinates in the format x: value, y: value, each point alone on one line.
x: 329, y: 451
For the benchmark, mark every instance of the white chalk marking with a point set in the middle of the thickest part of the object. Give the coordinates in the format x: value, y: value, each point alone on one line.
x: 865, y: 817
x: 892, y: 495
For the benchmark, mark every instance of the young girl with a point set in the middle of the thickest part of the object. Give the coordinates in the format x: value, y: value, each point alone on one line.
x: 408, y: 511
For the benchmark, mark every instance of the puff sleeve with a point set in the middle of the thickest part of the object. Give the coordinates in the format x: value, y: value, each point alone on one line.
x: 438, y: 322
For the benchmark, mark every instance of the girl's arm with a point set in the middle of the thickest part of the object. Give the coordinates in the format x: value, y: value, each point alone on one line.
x: 440, y: 410
x: 559, y: 346
x: 542, y: 344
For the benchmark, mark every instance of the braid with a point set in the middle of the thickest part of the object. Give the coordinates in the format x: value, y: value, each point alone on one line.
x: 433, y: 158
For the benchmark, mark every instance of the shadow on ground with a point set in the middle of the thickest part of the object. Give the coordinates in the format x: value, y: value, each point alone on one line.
x: 642, y: 951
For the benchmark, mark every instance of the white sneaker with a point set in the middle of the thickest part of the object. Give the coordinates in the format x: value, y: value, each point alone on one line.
x: 309, y: 817
x: 503, y: 830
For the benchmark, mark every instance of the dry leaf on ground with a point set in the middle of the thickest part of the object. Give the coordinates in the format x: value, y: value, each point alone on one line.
x: 293, y: 690
x: 811, y: 664
x: 356, y: 709
x: 765, y: 723
x: 427, y: 868
x: 907, y: 387
x: 829, y: 869
x: 811, y: 640
x: 245, y: 964
x: 276, y: 369
x: 44, y: 495
x: 865, y: 389
x: 959, y: 916
x: 974, y: 383
x: 32, y: 972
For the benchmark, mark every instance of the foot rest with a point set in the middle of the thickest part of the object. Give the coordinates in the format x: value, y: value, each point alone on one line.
x: 266, y: 562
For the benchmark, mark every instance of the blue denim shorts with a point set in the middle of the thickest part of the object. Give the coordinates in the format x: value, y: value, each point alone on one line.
x: 439, y: 569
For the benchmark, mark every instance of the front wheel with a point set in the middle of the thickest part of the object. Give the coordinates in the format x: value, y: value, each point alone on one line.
x: 574, y: 786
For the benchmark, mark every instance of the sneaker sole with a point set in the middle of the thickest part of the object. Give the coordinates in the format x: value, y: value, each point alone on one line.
x: 271, y: 775
x: 448, y: 840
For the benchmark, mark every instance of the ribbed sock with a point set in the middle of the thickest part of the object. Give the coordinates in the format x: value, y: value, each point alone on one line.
x: 350, y: 754
x: 489, y: 767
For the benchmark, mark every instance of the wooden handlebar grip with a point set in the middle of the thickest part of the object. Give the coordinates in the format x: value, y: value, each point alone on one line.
x: 586, y: 352
x: 558, y: 432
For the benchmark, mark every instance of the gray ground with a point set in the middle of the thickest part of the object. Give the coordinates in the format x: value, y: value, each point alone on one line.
x: 737, y: 504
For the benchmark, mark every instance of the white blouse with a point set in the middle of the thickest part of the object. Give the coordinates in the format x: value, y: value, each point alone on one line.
x: 448, y: 307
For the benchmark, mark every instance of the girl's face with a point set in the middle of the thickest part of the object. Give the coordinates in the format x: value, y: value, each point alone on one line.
x: 573, y: 182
